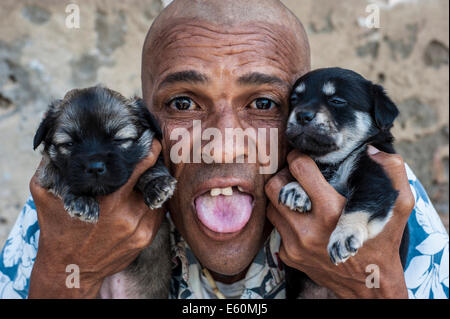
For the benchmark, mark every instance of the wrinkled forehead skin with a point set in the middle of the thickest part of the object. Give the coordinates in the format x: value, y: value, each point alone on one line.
x: 257, y: 34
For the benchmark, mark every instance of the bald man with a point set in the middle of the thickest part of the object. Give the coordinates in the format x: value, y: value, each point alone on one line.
x: 228, y: 64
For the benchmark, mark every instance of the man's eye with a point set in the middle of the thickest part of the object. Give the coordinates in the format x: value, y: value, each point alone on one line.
x: 337, y: 101
x: 263, y: 104
x: 182, y: 103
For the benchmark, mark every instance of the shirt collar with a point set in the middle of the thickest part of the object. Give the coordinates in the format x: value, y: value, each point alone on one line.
x: 264, y: 279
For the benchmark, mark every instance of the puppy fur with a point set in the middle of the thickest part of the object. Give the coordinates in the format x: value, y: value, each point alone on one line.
x: 93, y: 138
x: 335, y: 114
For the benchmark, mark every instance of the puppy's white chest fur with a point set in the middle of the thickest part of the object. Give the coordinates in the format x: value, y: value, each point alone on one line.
x: 339, y: 180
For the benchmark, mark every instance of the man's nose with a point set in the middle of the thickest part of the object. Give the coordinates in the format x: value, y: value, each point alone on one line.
x: 304, y: 117
x: 232, y: 147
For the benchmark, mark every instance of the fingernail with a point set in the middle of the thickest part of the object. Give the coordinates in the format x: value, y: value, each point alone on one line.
x: 372, y: 150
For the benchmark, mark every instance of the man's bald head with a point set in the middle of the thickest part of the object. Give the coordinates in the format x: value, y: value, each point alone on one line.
x: 229, y: 14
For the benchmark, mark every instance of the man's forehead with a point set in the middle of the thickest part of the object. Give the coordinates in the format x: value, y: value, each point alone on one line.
x: 218, y: 38
x: 266, y: 48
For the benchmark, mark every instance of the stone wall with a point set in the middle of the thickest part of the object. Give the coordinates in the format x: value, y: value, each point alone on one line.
x: 40, y: 59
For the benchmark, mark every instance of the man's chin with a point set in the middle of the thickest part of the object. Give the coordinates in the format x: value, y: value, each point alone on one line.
x: 232, y: 258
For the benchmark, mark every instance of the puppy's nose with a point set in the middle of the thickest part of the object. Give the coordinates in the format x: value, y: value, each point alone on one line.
x: 96, y: 168
x: 304, y: 117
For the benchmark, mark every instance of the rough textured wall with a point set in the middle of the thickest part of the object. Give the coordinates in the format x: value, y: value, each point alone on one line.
x: 40, y: 59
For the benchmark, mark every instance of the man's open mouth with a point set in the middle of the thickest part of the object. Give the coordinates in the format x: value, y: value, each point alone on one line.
x: 224, y: 209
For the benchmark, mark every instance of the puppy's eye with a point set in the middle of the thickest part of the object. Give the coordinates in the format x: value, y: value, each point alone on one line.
x: 182, y: 103
x: 337, y: 101
x: 122, y: 140
x: 295, y: 98
x: 66, y: 145
x: 263, y: 104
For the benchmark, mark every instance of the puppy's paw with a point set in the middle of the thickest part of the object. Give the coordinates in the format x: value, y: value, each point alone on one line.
x: 293, y: 196
x: 84, y: 208
x: 158, y: 190
x: 346, y: 239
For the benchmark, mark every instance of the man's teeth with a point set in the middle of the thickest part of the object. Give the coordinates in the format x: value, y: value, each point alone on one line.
x: 227, y: 191
x: 216, y: 191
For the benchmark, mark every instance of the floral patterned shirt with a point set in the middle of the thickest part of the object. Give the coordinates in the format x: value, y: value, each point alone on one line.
x: 426, y: 272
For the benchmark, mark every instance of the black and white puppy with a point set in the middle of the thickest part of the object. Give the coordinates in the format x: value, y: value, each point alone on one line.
x: 93, y: 139
x: 335, y: 114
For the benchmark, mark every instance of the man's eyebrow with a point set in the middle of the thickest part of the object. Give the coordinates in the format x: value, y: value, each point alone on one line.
x: 190, y: 76
x: 257, y: 78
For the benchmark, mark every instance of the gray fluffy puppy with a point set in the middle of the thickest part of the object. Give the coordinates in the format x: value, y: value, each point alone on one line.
x: 93, y: 138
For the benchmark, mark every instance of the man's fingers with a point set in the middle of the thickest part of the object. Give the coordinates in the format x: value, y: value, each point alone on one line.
x: 36, y: 189
x: 281, y: 224
x: 148, y: 227
x: 306, y: 172
x: 284, y: 257
x: 394, y: 166
x: 327, y: 203
x: 272, y: 188
x: 40, y: 195
x: 142, y: 166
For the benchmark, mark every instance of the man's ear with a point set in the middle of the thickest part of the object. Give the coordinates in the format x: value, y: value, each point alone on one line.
x: 147, y: 119
x: 46, y: 124
x: 385, y: 111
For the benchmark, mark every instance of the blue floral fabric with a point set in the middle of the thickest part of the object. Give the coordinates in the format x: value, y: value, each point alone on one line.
x: 426, y: 272
x: 17, y: 257
x: 427, y: 269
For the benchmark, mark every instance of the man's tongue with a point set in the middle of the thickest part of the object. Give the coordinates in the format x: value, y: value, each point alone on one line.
x: 224, y: 214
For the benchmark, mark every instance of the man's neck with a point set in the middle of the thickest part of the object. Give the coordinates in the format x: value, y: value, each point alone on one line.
x: 228, y: 279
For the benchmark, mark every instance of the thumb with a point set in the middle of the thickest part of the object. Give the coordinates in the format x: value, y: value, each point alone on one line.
x: 394, y: 167
x: 392, y: 163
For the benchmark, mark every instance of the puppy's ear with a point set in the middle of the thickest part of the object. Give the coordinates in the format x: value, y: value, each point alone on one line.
x: 384, y: 109
x: 46, y: 125
x: 146, y: 118
x: 71, y: 94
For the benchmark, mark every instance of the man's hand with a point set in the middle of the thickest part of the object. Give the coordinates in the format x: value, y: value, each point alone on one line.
x: 125, y: 227
x: 305, y: 236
